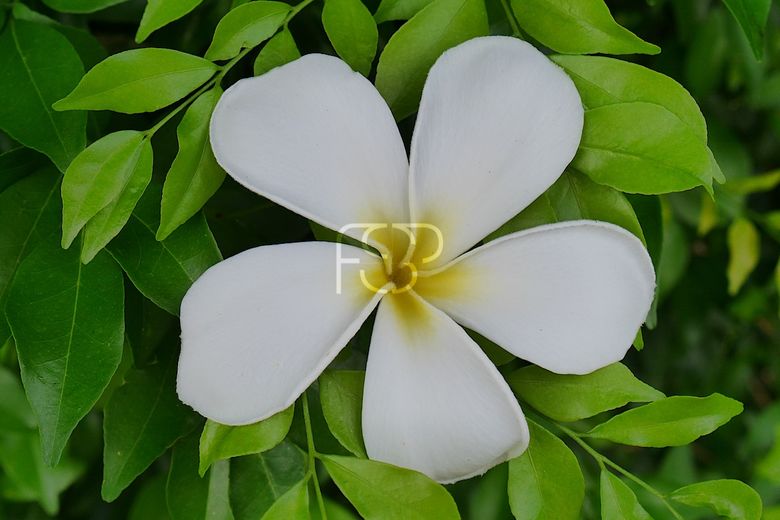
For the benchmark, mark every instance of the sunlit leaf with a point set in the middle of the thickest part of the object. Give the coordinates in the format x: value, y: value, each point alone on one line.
x: 352, y: 31
x: 729, y: 498
x: 341, y: 395
x: 246, y: 26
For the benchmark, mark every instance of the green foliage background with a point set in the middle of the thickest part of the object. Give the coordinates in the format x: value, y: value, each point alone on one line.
x: 146, y: 210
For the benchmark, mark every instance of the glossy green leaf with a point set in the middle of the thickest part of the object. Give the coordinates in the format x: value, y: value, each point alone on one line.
x: 578, y: 27
x: 398, y: 9
x: 566, y: 398
x: 37, y: 67
x: 159, y: 13
x: 731, y: 499
x: 293, y: 504
x: 138, y: 80
x: 257, y: 481
x: 29, y: 212
x: 15, y: 412
x: 545, y: 481
x: 352, y: 31
x: 751, y: 16
x: 163, y: 271
x: 149, y: 503
x: 219, y: 441
x: 658, y: 156
x: 672, y: 421
x: 99, y: 175
x: 341, y: 396
x: 18, y: 163
x: 194, y: 175
x: 618, y: 502
x: 412, y: 50
x: 573, y: 197
x: 80, y: 6
x: 193, y: 497
x: 68, y: 323
x: 379, y: 490
x: 143, y: 418
x: 279, y: 50
x: 744, y: 244
x: 246, y: 26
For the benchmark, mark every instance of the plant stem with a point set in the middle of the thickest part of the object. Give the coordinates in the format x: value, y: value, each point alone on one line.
x: 510, y: 15
x: 312, y: 470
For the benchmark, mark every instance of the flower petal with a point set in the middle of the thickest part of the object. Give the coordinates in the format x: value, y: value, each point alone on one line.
x: 317, y: 138
x: 258, y: 328
x: 432, y: 401
x: 497, y: 125
x: 568, y: 297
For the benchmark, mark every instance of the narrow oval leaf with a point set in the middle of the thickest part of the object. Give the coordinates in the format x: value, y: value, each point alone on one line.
x: 658, y: 156
x: 219, y: 441
x: 257, y: 481
x: 279, y: 50
x: 751, y: 16
x: 341, y: 396
x: 398, y: 9
x: 567, y: 398
x: 546, y: 481
x: 143, y: 418
x: 732, y: 499
x: 159, y: 13
x: 80, y: 6
x: 38, y: 66
x: 673, y: 421
x: 352, y: 31
x: 618, y: 502
x: 412, y: 50
x: 194, y: 175
x: 578, y: 27
x: 379, y: 490
x: 138, y: 80
x: 163, y: 271
x: 97, y: 177
x: 293, y: 504
x: 68, y: 323
x: 246, y: 26
x: 744, y: 252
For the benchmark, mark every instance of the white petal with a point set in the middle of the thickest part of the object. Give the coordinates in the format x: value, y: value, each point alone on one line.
x: 259, y: 327
x: 317, y: 138
x: 432, y: 401
x: 568, y: 297
x: 498, y: 123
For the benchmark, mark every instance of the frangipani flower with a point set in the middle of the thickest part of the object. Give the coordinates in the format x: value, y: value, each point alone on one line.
x: 497, y: 125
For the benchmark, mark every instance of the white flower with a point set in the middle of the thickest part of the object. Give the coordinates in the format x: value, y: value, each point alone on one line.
x: 497, y: 125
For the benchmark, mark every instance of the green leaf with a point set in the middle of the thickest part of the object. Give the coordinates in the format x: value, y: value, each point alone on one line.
x: 658, y: 156
x: 194, y: 497
x: 80, y: 6
x: 412, y: 50
x: 163, y: 271
x: 149, y: 503
x: 98, y: 177
x: 545, y: 481
x: 194, y: 175
x: 138, y: 80
x: 573, y: 197
x: 29, y: 212
x: 398, y: 9
x: 247, y: 25
x: 769, y: 466
x: 618, y: 502
x: 341, y: 396
x: 159, y: 13
x: 37, y: 67
x: 15, y: 413
x: 744, y: 244
x: 568, y: 398
x: 578, y: 27
x: 755, y: 183
x: 68, y: 323
x: 293, y: 504
x: 143, y: 418
x: 732, y: 499
x: 17, y: 164
x: 257, y: 481
x: 352, y: 31
x: 279, y: 50
x: 219, y: 441
x: 673, y: 421
x: 379, y: 490
x: 751, y: 16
